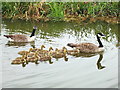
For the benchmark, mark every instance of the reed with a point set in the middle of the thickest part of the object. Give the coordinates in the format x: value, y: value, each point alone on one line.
x: 58, y: 10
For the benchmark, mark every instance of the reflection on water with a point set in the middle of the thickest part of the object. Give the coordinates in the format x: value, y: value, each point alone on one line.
x: 19, y: 44
x: 77, y: 71
x: 57, y: 29
x: 99, y: 65
x: 99, y: 62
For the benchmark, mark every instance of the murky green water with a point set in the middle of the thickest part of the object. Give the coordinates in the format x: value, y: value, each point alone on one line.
x: 97, y: 71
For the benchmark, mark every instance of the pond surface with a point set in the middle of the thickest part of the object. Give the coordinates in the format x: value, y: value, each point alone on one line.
x: 96, y: 71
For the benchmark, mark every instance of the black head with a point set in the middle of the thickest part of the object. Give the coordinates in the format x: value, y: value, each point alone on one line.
x: 100, y: 35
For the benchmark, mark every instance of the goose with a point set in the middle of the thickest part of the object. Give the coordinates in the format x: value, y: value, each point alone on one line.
x: 19, y: 60
x: 89, y: 47
x: 16, y: 61
x: 38, y: 49
x: 33, y: 58
x: 62, y: 50
x: 72, y: 52
x: 22, y: 38
x: 24, y: 52
x: 34, y: 49
x: 42, y: 46
x: 31, y: 54
x: 45, y: 51
x: 47, y: 57
x: 57, y: 54
x: 69, y: 52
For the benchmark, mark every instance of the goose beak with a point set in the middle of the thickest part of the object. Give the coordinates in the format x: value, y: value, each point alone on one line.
x: 103, y: 35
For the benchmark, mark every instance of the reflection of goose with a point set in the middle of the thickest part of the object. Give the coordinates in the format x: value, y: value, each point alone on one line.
x: 84, y: 54
x: 89, y: 47
x: 19, y: 44
x: 15, y: 44
x: 98, y: 62
x: 22, y: 38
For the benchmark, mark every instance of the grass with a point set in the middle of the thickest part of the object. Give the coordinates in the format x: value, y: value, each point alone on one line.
x: 58, y: 10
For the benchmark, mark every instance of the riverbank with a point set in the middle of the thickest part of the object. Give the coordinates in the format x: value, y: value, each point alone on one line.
x: 70, y: 18
x: 62, y: 11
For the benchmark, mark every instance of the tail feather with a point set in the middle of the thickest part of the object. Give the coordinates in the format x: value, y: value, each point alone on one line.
x: 71, y: 45
x: 8, y: 36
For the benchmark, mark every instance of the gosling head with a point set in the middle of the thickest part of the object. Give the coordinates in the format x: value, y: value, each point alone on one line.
x: 100, y: 35
x: 64, y: 48
x: 65, y: 51
x: 50, y: 48
x: 56, y: 50
x: 30, y: 49
x: 42, y: 47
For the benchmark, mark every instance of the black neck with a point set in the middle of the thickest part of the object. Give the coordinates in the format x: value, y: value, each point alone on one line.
x: 33, y: 33
x: 99, y: 41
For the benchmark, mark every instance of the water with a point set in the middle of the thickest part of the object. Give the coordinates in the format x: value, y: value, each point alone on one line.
x: 95, y: 71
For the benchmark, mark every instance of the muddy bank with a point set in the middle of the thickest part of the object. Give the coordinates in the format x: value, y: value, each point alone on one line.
x: 69, y: 18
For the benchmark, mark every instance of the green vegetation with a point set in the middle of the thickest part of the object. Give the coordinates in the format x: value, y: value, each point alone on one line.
x: 66, y: 11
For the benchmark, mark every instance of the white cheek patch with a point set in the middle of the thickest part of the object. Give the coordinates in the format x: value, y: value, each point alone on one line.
x: 99, y: 35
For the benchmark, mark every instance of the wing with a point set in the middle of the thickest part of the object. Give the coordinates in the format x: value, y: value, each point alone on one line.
x: 17, y: 38
x: 9, y: 36
x: 87, y: 47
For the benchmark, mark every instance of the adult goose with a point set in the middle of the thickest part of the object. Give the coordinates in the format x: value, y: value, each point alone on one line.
x: 22, y: 38
x: 89, y: 47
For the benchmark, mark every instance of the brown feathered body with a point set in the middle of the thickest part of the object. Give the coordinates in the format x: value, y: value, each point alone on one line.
x: 72, y: 52
x: 85, y: 47
x: 32, y: 59
x: 19, y: 38
x: 17, y: 61
x: 23, y: 52
x: 45, y: 58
